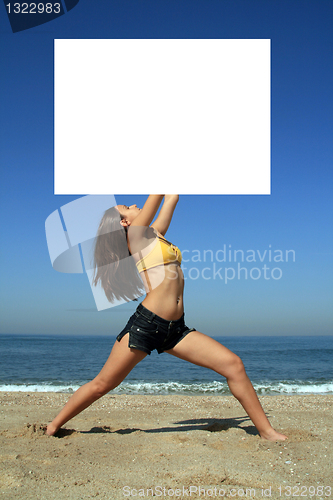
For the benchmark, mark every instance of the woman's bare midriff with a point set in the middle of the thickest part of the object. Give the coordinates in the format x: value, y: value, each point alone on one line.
x: 165, y: 297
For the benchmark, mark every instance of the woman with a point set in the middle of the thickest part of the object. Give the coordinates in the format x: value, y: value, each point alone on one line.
x: 158, y: 322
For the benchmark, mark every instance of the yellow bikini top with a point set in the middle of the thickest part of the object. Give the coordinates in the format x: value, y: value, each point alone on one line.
x: 162, y: 250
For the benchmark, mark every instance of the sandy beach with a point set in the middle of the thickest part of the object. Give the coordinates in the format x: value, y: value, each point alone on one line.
x: 127, y: 446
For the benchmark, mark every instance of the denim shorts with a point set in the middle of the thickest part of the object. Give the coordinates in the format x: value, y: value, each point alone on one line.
x: 147, y: 331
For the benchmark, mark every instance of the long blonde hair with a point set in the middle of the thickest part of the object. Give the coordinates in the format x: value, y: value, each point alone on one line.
x: 114, y: 266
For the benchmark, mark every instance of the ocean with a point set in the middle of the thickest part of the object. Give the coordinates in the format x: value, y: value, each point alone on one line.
x: 275, y: 365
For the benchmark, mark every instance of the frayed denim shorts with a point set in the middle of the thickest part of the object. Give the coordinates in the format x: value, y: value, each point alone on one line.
x: 147, y: 331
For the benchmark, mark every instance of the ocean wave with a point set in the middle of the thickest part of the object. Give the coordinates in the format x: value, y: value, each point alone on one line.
x: 42, y: 387
x: 292, y: 387
x: 172, y: 387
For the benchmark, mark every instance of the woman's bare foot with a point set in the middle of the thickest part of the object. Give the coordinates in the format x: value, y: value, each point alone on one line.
x: 50, y: 430
x: 273, y: 435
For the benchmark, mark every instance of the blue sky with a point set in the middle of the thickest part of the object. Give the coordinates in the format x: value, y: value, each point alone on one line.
x: 296, y: 216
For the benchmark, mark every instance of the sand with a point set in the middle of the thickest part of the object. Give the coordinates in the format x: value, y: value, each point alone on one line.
x: 127, y: 446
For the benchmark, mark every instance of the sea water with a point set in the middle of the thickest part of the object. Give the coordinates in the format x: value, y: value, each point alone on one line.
x: 275, y: 365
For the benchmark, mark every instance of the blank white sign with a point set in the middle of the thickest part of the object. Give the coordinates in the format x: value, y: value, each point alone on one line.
x: 162, y: 116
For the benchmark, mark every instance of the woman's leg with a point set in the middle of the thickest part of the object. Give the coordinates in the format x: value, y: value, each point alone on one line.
x: 120, y: 362
x: 205, y: 351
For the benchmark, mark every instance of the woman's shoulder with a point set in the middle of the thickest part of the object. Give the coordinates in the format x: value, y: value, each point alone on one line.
x: 139, y: 237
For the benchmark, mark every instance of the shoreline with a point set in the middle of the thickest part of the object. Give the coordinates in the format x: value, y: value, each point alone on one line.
x: 172, y: 441
x: 215, y: 389
x: 175, y: 394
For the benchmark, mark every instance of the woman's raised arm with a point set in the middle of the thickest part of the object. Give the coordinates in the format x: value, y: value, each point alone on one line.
x: 148, y: 212
x: 162, y: 223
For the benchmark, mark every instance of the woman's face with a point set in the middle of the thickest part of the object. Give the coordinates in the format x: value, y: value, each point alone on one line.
x: 128, y: 213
